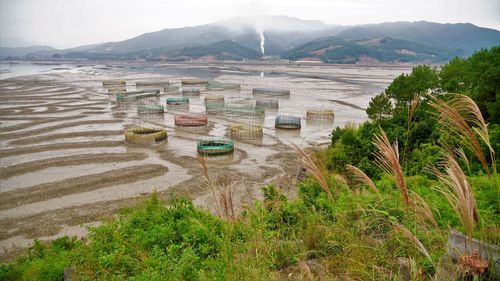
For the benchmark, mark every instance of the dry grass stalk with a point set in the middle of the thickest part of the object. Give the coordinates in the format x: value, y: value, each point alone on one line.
x: 458, y: 192
x: 456, y: 115
x: 409, y: 235
x: 360, y: 177
x: 387, y: 158
x: 340, y: 179
x: 411, y: 109
x: 459, y: 151
x: 222, y: 192
x: 309, y: 164
x: 423, y: 213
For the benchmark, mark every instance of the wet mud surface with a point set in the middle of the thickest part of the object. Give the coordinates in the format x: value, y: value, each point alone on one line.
x: 64, y: 163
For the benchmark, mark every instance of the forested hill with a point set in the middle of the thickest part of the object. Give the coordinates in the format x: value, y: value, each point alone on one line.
x: 338, y: 50
x: 465, y: 37
x: 285, y: 37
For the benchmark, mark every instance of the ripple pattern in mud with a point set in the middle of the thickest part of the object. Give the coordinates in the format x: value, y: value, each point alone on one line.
x: 49, y: 127
x: 63, y: 161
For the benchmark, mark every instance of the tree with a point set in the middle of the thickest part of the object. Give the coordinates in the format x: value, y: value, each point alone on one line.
x: 452, y: 76
x: 422, y: 79
x: 380, y: 107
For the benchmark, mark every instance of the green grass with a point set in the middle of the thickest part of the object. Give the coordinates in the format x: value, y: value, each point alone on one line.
x: 351, y: 235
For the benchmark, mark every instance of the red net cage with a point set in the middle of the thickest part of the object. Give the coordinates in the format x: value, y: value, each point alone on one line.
x: 191, y: 120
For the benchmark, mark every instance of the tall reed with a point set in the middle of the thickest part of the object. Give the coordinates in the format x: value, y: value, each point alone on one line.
x: 222, y: 190
x: 309, y: 164
x: 387, y: 158
x: 411, y: 112
x: 423, y: 212
x: 462, y: 118
x: 414, y: 239
x: 359, y: 177
x: 458, y: 192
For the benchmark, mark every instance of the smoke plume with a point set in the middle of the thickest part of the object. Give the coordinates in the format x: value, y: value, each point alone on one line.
x: 262, y: 39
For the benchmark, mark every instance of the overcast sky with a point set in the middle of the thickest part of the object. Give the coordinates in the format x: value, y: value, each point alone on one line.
x: 70, y: 23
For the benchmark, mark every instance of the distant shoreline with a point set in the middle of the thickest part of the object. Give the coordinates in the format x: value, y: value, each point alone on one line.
x: 230, y: 62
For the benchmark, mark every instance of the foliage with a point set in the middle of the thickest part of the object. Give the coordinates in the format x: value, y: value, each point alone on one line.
x: 380, y: 107
x: 478, y: 77
x: 419, y: 137
x: 338, y: 50
x: 352, y: 237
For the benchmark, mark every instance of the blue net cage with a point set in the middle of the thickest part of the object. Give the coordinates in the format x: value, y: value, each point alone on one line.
x: 287, y: 122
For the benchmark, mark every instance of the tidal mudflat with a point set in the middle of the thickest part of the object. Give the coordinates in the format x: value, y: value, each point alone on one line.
x: 64, y: 163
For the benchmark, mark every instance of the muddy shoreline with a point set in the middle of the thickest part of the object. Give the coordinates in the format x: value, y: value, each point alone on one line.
x: 64, y: 162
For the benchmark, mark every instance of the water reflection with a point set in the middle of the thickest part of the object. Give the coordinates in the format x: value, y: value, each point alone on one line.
x: 321, y: 124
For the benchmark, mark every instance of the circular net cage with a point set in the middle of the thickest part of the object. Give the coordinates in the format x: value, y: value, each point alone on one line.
x: 145, y: 135
x: 172, y: 90
x: 319, y: 114
x: 215, y: 146
x: 271, y: 92
x: 178, y: 104
x: 267, y: 103
x: 243, y: 111
x: 287, y: 122
x: 319, y: 124
x: 193, y: 82
x: 247, y: 114
x: 246, y: 131
x: 117, y: 90
x: 137, y: 95
x: 178, y: 107
x: 214, y: 107
x: 219, y: 86
x: 209, y: 99
x: 191, y: 92
x: 177, y: 101
x: 108, y: 84
x: 150, y: 109
x: 191, y: 120
x: 152, y: 84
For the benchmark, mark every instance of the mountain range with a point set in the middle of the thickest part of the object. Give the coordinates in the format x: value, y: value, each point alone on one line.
x: 249, y: 38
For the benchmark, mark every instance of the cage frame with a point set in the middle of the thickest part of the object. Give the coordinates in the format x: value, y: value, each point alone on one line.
x: 137, y: 95
x: 172, y: 89
x: 244, y: 131
x: 183, y: 107
x: 117, y: 90
x: 214, y: 107
x: 113, y: 83
x: 157, y: 83
x: 191, y: 120
x: 150, y: 109
x: 320, y: 113
x: 140, y: 135
x: 267, y: 103
x: 214, y: 98
x: 177, y: 101
x: 193, y: 81
x: 243, y: 111
x: 221, y: 86
x: 191, y: 91
x: 288, y: 122
x: 271, y: 92
x: 214, y: 146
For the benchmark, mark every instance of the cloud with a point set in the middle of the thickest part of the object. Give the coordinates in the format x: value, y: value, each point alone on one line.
x: 67, y: 23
